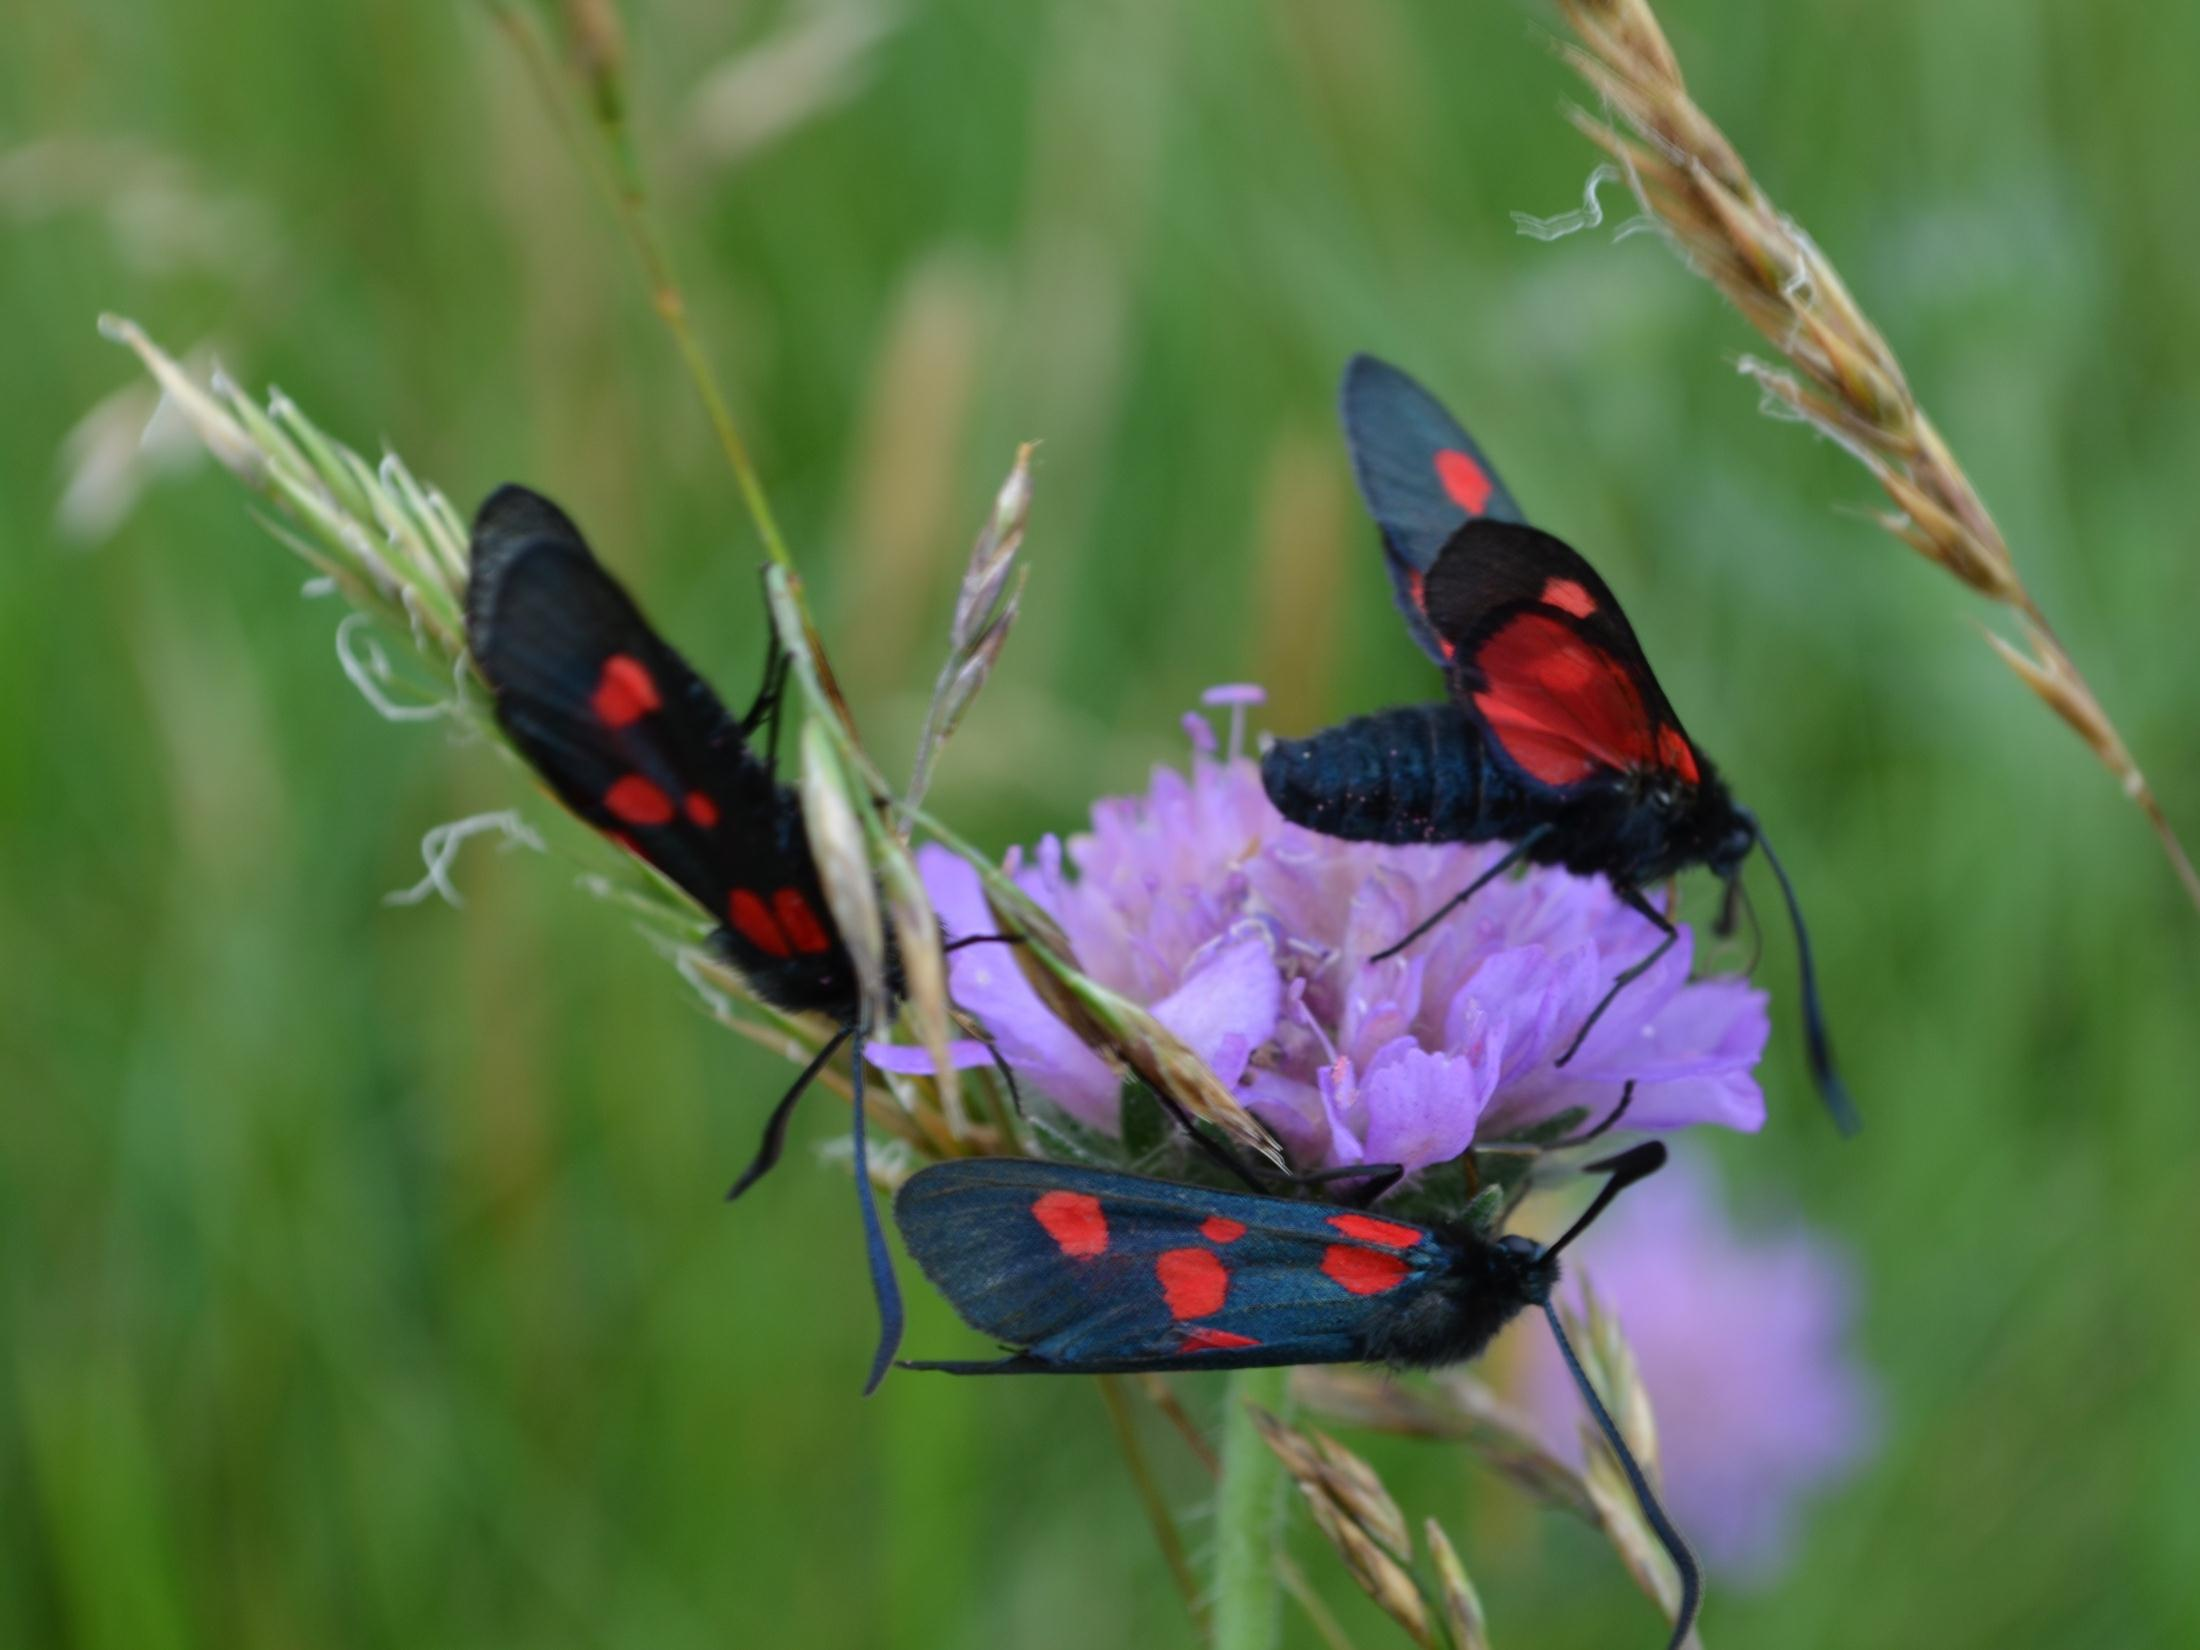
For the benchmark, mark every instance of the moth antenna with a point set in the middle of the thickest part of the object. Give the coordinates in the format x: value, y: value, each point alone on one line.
x: 1830, y: 1087
x: 883, y: 1287
x: 1684, y: 1561
x: 1611, y: 1118
x: 1635, y: 1163
x: 775, y: 1126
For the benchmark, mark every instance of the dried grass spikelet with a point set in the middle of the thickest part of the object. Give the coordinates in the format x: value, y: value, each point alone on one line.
x: 1356, y: 1514
x: 1120, y: 1031
x: 842, y: 783
x: 393, y: 548
x: 1458, y: 1406
x: 396, y: 551
x: 1845, y: 380
x: 830, y: 820
x: 985, y: 610
x: 1610, y: 1365
x: 1463, y: 1617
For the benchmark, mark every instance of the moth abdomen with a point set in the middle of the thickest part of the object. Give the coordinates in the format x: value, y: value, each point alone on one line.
x: 1414, y: 774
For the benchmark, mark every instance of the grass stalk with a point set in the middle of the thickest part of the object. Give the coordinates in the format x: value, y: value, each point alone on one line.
x: 1248, y: 1507
x: 600, y: 59
x: 1844, y: 380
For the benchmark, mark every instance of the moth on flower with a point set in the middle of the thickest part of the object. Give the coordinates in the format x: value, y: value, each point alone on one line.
x: 1254, y: 939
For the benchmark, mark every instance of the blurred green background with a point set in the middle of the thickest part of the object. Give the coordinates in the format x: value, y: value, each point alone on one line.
x: 363, y: 1274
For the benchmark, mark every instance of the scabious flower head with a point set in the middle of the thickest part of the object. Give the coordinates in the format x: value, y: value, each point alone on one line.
x: 1742, y: 1343
x: 1251, y: 939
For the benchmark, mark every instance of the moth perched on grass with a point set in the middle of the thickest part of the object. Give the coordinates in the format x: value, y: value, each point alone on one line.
x: 636, y: 743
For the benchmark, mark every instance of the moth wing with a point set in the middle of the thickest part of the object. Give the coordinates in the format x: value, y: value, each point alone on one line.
x: 1542, y: 655
x: 1423, y: 478
x: 625, y: 733
x: 1088, y: 1268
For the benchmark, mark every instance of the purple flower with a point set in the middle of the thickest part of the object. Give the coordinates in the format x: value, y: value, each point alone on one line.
x: 1743, y: 1347
x: 1250, y: 938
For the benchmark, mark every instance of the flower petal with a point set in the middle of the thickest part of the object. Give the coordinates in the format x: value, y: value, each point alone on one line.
x: 989, y: 984
x: 1228, y: 1003
x: 915, y: 1060
x: 1293, y: 1109
x: 1422, y: 1108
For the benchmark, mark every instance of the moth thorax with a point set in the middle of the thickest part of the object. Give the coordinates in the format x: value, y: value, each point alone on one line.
x: 1484, y: 1288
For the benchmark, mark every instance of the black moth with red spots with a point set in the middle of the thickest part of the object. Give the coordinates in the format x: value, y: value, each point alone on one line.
x: 636, y: 743
x: 1083, y: 1271
x: 1555, y: 736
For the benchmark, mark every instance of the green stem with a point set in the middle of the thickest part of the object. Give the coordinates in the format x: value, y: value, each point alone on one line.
x: 619, y: 173
x: 1247, y: 1504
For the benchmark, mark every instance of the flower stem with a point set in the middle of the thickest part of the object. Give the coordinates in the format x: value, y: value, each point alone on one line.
x: 1246, y: 1506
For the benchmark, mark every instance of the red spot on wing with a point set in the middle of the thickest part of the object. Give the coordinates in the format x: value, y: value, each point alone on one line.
x: 1417, y: 583
x: 1466, y: 481
x: 701, y: 809
x: 1074, y: 1221
x: 1202, y: 1339
x: 625, y: 692
x: 626, y: 842
x: 800, y: 922
x: 1221, y: 1229
x: 1363, y: 1271
x: 1569, y: 596
x: 638, y: 802
x: 1370, y: 1230
x: 1193, y: 1281
x: 1562, y: 706
x: 755, y: 924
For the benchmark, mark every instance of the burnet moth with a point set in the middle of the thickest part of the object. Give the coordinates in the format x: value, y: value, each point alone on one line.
x: 1084, y: 1271
x: 1556, y: 737
x: 637, y: 744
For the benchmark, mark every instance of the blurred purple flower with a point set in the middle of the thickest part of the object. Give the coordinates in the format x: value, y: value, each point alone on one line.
x: 1249, y: 938
x: 1743, y: 1345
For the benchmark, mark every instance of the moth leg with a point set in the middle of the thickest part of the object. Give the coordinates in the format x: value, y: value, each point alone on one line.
x: 993, y: 1052
x: 1380, y: 1178
x: 775, y: 1128
x: 1611, y: 1121
x: 884, y: 1290
x: 764, y: 708
x: 1513, y: 856
x: 1633, y: 971
x: 981, y: 939
x: 1215, y: 1153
